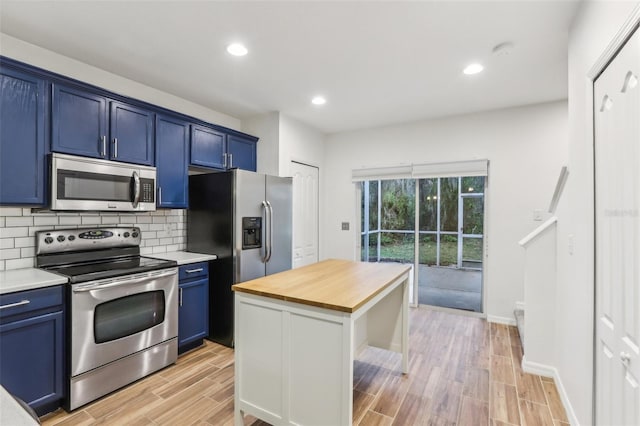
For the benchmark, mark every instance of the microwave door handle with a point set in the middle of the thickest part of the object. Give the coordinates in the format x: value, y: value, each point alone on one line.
x: 136, y: 189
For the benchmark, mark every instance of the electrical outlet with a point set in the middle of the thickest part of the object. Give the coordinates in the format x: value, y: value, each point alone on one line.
x: 345, y: 226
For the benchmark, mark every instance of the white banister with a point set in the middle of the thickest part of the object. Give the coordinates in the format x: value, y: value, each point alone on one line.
x: 538, y: 231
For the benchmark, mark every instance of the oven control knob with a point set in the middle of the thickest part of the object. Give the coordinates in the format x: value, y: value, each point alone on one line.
x: 60, y: 238
x: 48, y: 240
x: 71, y: 238
x: 126, y: 235
x: 134, y: 235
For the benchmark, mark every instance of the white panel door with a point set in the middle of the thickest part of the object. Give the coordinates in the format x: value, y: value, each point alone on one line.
x: 305, y: 214
x: 617, y: 170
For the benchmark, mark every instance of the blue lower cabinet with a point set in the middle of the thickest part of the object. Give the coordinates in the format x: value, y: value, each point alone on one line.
x: 193, y: 311
x: 32, y: 347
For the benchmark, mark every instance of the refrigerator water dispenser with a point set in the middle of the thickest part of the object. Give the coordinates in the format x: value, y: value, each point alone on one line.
x: 251, y: 232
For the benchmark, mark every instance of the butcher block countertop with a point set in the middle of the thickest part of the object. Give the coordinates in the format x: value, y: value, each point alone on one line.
x: 340, y: 285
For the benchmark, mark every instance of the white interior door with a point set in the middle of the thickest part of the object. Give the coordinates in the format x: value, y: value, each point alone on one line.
x: 305, y: 214
x: 617, y: 169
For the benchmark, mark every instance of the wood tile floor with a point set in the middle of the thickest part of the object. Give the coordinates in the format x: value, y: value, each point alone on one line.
x: 463, y: 371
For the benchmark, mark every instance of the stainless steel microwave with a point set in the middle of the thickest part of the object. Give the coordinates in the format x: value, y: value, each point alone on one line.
x: 79, y: 183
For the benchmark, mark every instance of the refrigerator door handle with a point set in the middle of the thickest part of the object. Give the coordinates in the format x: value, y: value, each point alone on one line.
x: 265, y: 214
x: 270, y: 241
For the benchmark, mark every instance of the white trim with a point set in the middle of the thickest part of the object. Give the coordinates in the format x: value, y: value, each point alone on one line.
x: 421, y: 171
x: 451, y: 169
x: 386, y: 172
x: 501, y: 320
x: 616, y: 44
x: 549, y: 371
x: 520, y: 306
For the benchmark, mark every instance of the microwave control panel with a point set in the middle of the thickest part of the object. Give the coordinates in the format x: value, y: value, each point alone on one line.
x: 147, y: 190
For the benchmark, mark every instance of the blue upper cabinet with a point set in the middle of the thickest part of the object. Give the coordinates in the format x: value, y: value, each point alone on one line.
x: 131, y: 134
x: 241, y: 153
x: 172, y: 158
x: 208, y: 147
x: 82, y: 125
x: 23, y: 115
x: 215, y: 149
x: 79, y: 123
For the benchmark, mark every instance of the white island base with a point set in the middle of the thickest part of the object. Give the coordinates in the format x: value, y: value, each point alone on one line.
x: 294, y: 361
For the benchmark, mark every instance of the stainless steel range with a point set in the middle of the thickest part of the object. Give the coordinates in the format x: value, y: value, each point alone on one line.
x: 122, y: 321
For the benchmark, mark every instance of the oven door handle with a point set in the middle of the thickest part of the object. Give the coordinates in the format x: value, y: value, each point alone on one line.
x: 80, y: 288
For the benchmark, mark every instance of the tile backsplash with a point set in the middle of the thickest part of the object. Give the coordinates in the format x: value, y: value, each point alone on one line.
x: 162, y: 231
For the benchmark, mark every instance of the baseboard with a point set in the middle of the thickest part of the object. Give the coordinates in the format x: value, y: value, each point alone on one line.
x: 520, y: 306
x: 549, y: 371
x: 501, y: 320
x: 536, y: 368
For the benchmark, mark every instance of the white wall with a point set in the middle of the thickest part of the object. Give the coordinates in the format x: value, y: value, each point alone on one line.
x: 593, y: 29
x: 267, y: 128
x: 299, y: 142
x: 526, y: 148
x: 19, y: 50
x: 284, y: 139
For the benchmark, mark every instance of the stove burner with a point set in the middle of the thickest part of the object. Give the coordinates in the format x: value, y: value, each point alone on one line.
x: 94, y: 253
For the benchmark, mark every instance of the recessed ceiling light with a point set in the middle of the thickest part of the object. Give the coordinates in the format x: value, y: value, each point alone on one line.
x: 318, y: 100
x: 237, y: 49
x: 473, y: 69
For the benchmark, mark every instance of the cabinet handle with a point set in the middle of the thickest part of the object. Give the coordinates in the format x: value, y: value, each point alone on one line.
x: 224, y: 160
x: 191, y: 271
x: 231, y: 161
x: 180, y: 292
x: 159, y: 195
x: 115, y: 147
x: 104, y: 146
x: 13, y: 305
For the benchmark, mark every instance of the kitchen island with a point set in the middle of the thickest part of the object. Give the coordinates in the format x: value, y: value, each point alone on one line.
x: 296, y: 334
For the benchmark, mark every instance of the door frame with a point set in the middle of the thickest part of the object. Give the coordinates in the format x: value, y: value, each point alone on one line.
x: 616, y: 44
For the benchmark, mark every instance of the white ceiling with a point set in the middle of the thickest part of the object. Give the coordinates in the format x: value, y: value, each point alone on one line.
x: 377, y: 63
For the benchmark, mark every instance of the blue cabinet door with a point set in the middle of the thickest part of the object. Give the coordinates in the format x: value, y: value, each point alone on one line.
x: 172, y: 153
x: 193, y: 316
x: 79, y: 123
x: 131, y: 134
x: 193, y: 312
x: 31, y: 360
x: 22, y: 138
x: 207, y: 147
x: 241, y: 152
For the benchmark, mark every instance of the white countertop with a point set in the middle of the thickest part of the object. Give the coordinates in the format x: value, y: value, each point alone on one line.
x: 184, y: 257
x: 11, y: 413
x: 28, y: 279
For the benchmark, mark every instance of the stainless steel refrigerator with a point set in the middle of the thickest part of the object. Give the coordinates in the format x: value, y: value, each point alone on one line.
x: 245, y: 219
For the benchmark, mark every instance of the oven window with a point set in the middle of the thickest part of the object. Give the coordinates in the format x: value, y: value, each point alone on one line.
x: 128, y: 315
x: 73, y: 185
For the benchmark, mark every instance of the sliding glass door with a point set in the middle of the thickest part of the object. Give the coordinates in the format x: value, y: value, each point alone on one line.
x: 437, y: 225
